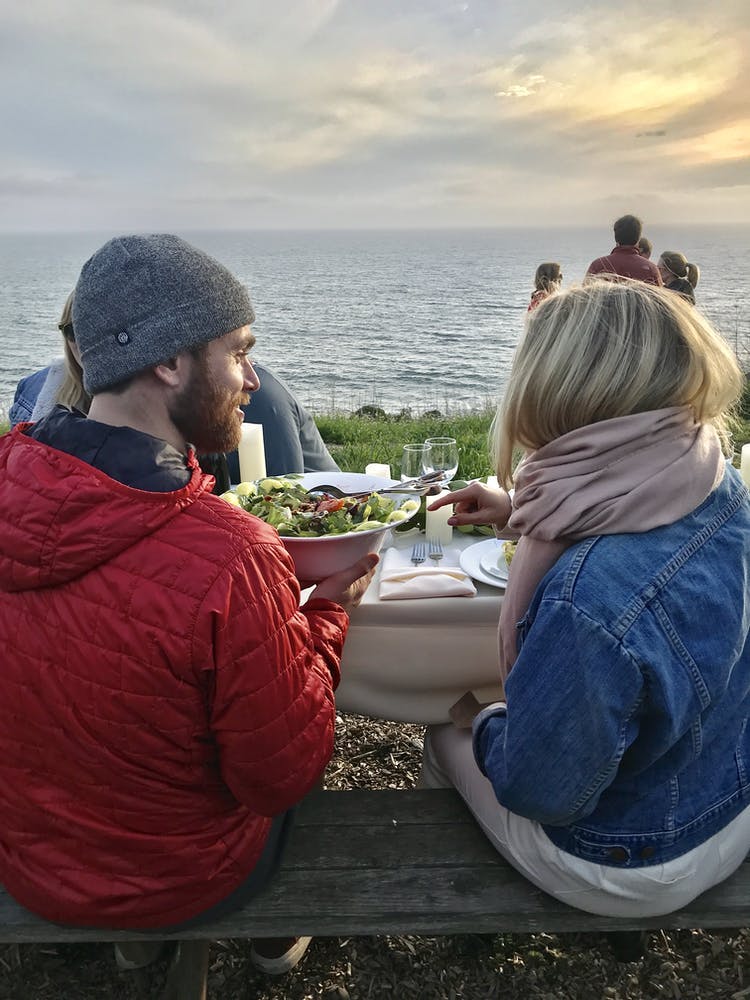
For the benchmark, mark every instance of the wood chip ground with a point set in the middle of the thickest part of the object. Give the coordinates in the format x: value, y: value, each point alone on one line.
x: 681, y: 965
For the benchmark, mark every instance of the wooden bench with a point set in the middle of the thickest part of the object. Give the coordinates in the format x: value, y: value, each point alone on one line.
x: 389, y: 862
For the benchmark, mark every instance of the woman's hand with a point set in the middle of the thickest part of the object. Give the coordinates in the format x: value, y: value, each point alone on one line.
x: 477, y: 504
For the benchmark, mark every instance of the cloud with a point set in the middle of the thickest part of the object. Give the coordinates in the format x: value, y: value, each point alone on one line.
x: 36, y: 184
x: 452, y: 110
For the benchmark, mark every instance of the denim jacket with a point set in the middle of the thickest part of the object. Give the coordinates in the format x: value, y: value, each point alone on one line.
x: 626, y: 728
x: 27, y: 393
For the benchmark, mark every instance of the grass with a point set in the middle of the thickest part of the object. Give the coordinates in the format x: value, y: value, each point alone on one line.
x: 356, y: 440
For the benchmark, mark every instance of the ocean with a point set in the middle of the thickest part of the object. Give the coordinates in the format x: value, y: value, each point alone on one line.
x: 417, y: 319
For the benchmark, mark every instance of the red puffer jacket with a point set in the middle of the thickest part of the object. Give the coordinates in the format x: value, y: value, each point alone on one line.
x: 161, y: 694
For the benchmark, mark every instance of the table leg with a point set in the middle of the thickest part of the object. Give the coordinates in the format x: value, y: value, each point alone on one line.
x: 188, y: 973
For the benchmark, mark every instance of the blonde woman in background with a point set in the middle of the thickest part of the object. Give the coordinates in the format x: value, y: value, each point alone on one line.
x: 547, y: 281
x: 614, y: 775
x: 678, y: 274
x: 60, y: 382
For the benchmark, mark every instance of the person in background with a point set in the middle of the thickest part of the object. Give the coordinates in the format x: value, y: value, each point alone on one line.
x: 60, y: 382
x: 291, y: 439
x: 625, y: 260
x: 164, y: 699
x: 645, y: 247
x: 678, y: 275
x: 547, y: 281
x: 613, y: 776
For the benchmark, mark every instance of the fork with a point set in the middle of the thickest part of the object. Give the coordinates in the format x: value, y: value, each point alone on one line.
x: 436, y: 551
x: 417, y: 553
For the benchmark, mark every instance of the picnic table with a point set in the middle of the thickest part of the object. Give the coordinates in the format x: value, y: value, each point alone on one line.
x: 409, y: 661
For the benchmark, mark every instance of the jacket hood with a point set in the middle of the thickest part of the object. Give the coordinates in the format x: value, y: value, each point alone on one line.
x: 62, y: 517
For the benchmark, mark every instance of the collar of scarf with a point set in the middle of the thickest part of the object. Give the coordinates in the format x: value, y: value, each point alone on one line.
x: 628, y: 474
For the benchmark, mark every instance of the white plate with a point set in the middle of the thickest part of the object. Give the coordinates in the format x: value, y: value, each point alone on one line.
x: 494, y: 563
x: 346, y: 480
x: 471, y: 560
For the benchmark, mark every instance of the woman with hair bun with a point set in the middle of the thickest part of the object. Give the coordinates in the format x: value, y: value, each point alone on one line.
x: 614, y: 775
x: 678, y: 274
x: 547, y: 281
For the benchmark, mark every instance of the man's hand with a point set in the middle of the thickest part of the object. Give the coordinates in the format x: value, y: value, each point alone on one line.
x: 477, y: 504
x: 347, y: 587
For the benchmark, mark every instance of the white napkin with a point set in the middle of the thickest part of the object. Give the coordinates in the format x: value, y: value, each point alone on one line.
x: 400, y: 580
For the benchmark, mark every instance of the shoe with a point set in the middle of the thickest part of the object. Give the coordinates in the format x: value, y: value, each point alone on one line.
x: 275, y: 956
x: 132, y: 955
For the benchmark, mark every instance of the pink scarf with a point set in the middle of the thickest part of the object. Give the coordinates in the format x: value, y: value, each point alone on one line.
x: 628, y: 474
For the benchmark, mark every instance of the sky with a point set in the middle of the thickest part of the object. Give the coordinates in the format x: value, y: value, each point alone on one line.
x: 253, y: 114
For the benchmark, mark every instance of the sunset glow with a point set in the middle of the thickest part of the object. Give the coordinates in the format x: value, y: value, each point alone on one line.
x: 324, y: 113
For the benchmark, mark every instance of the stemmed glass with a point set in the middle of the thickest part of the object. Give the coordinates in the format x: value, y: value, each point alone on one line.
x: 415, y: 461
x: 444, y: 456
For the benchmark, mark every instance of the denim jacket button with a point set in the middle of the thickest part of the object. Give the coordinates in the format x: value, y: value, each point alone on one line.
x: 647, y: 852
x: 618, y: 854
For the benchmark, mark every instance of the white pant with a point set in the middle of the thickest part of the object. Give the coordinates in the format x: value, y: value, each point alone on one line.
x: 616, y: 892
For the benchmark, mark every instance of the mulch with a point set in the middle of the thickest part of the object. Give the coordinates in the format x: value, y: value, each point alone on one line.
x: 679, y: 964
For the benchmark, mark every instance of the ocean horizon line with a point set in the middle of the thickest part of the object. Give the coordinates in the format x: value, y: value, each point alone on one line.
x: 530, y: 227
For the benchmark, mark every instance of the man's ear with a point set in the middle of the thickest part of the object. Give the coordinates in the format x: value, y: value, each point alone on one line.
x: 174, y: 371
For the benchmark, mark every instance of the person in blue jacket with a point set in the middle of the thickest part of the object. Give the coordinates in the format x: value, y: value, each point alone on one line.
x: 60, y: 382
x: 615, y: 774
x: 292, y: 442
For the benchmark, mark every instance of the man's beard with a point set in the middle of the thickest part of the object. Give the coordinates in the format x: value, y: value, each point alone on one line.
x: 206, y: 415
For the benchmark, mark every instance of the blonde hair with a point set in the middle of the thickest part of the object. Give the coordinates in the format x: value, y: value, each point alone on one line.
x: 71, y: 392
x: 678, y: 265
x: 609, y: 349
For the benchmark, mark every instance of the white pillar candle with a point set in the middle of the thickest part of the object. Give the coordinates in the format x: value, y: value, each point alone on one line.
x: 745, y: 464
x: 251, y: 454
x: 376, y: 469
x: 437, y: 528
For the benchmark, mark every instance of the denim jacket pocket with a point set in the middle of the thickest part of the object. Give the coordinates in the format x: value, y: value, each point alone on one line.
x: 631, y: 852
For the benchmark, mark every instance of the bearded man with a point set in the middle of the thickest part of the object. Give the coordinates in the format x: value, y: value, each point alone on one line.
x: 164, y: 700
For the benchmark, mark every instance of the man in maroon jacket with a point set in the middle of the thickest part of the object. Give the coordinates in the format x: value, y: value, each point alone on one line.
x: 626, y: 260
x: 164, y: 699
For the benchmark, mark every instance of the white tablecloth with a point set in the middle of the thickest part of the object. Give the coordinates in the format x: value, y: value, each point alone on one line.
x: 409, y: 661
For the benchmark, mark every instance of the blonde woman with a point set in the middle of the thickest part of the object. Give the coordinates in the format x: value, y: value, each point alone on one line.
x: 59, y: 382
x: 615, y: 774
x: 678, y: 274
x: 547, y: 281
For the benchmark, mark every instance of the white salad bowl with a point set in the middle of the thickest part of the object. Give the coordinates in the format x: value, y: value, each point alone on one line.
x: 317, y: 558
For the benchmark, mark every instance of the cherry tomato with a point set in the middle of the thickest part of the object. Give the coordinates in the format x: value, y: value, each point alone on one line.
x: 328, y: 506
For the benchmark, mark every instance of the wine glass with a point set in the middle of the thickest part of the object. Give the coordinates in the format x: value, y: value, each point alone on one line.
x: 444, y: 456
x: 415, y: 461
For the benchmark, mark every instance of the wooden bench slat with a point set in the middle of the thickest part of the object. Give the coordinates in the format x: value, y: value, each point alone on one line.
x: 350, y: 869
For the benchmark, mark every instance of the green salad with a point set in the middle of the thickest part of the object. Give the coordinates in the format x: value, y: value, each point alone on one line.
x: 286, y: 505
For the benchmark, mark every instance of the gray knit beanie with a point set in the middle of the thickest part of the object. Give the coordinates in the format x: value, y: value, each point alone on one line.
x: 141, y: 300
